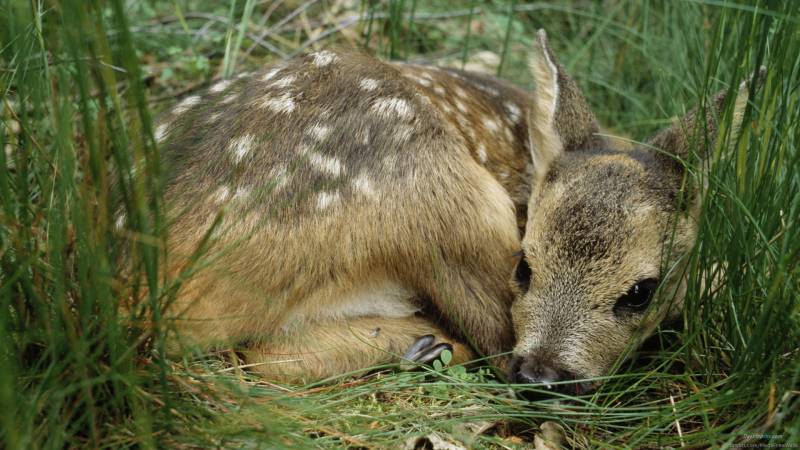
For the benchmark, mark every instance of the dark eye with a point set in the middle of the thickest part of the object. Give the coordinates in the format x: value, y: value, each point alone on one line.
x: 637, y: 298
x: 523, y: 275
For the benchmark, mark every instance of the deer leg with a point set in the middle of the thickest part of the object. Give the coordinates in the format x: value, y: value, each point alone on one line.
x: 326, y: 349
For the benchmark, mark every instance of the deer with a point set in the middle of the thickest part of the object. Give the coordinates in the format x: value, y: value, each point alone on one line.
x: 361, y: 213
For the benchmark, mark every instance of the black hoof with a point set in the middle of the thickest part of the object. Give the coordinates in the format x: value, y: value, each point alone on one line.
x: 424, y: 351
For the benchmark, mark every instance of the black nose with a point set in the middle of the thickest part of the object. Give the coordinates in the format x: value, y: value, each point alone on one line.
x: 527, y: 370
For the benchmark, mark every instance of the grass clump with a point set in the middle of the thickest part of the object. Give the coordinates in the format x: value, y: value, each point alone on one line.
x: 80, y: 82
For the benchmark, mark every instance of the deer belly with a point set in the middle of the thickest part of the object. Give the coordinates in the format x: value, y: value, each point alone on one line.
x: 384, y: 298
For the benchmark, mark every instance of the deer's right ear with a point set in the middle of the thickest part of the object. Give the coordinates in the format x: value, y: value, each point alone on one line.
x: 698, y: 131
x: 560, y: 119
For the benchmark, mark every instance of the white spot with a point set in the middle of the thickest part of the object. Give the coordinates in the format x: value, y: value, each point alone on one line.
x: 213, y: 118
x: 388, y: 107
x: 363, y: 136
x: 424, y: 99
x: 487, y: 89
x: 368, y: 84
x: 439, y: 90
x: 460, y: 92
x: 228, y: 99
x: 492, y: 125
x: 513, y: 111
x: 222, y: 194
x: 509, y: 134
x: 190, y: 101
x: 419, y: 80
x: 187, y: 103
x: 446, y: 108
x: 325, y: 199
x: 271, y: 74
x: 241, y: 147
x: 461, y: 107
x: 283, y: 104
x: 220, y: 86
x: 283, y: 82
x: 161, y: 132
x: 242, y: 75
x: 325, y: 163
x: 482, y: 156
x: 323, y: 58
x: 241, y: 193
x: 319, y: 132
x: 364, y: 185
x: 280, y: 176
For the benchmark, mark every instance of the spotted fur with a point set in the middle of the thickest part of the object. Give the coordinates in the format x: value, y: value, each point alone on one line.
x: 360, y: 204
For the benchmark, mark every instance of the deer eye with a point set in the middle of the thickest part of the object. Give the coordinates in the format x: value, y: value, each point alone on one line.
x: 522, y: 275
x: 638, y: 297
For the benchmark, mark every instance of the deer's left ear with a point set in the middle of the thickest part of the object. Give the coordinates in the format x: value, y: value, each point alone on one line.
x: 560, y: 118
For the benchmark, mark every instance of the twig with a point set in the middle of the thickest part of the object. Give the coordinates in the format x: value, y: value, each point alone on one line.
x: 258, y: 40
x: 346, y: 23
x: 274, y: 386
x: 677, y: 422
x: 247, y: 366
x: 331, y: 387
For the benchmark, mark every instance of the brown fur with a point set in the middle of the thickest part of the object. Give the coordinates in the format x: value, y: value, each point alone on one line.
x: 354, y: 196
x: 363, y: 204
x: 600, y: 221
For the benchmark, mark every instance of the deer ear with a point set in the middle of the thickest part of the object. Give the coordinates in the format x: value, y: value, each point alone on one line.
x: 560, y: 118
x: 698, y: 132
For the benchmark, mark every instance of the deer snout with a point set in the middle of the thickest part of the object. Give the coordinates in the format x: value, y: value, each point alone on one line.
x: 549, y: 376
x: 532, y: 370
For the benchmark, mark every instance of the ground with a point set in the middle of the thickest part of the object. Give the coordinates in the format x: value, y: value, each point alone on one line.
x: 82, y: 81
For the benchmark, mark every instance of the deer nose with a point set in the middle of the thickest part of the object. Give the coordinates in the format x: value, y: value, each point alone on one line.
x: 527, y: 370
x: 539, y: 375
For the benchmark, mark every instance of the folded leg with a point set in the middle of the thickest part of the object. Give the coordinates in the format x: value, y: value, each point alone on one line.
x: 324, y: 349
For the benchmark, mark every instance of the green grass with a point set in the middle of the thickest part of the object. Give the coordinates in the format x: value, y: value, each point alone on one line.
x: 81, y: 80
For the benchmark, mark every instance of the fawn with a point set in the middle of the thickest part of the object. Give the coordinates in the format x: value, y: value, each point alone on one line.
x: 364, y: 210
